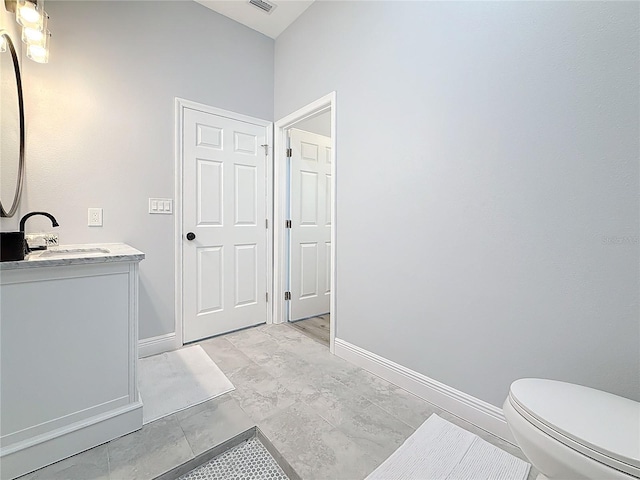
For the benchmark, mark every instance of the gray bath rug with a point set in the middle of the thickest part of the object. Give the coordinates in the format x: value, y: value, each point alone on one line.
x: 176, y: 380
x: 440, y: 450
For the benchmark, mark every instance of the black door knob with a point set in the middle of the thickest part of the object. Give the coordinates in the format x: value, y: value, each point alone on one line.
x: 191, y: 236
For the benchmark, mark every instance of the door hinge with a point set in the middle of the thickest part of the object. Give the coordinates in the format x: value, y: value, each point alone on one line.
x: 287, y: 224
x: 289, y: 152
x: 266, y: 297
x: 287, y: 295
x: 266, y: 223
x: 266, y: 149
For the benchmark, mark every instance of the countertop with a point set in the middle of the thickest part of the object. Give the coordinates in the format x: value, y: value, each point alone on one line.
x: 77, y: 255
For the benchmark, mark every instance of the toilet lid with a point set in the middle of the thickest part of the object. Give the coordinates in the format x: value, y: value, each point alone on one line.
x: 600, y: 425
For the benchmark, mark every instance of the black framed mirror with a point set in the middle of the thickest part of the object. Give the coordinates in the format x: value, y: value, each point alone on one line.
x: 12, y: 134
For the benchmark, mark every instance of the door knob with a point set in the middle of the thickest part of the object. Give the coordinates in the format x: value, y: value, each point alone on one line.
x: 191, y: 236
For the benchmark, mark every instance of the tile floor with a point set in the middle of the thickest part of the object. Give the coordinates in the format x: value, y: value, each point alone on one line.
x: 328, y: 418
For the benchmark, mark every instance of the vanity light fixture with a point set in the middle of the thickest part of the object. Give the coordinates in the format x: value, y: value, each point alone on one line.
x: 31, y: 16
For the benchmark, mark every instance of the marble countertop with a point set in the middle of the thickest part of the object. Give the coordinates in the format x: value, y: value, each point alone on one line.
x: 77, y: 255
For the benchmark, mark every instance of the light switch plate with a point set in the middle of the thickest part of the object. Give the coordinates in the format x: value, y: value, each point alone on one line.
x: 95, y: 217
x: 161, y: 205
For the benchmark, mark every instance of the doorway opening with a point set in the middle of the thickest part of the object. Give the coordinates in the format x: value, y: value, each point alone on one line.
x: 305, y: 204
x: 309, y: 231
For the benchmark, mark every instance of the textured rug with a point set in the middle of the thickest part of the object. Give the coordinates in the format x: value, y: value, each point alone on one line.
x: 440, y: 450
x: 176, y: 380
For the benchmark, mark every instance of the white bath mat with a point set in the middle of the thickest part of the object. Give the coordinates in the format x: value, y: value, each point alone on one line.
x: 176, y: 380
x: 440, y: 450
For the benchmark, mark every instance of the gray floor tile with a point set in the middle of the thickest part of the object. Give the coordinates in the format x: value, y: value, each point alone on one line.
x: 329, y: 364
x: 314, y: 448
x: 403, y: 405
x: 289, y: 360
x: 294, y: 341
x: 407, y: 407
x: 258, y: 393
x: 90, y: 465
x: 283, y: 330
x: 212, y: 423
x: 158, y: 447
x: 374, y: 430
x: 311, y: 385
x: 274, y: 359
x: 225, y: 354
x: 249, y: 337
x: 326, y: 393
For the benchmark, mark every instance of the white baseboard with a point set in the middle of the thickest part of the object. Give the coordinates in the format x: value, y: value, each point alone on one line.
x: 478, y: 412
x: 155, y: 345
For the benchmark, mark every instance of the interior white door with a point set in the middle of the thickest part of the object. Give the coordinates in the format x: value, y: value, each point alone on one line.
x: 224, y: 208
x: 310, y: 267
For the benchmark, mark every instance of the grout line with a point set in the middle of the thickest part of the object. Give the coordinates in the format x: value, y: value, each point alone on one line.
x: 108, y: 460
x: 383, y: 408
x: 184, y: 434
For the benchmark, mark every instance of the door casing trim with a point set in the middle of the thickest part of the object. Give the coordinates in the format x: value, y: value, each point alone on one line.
x: 279, y: 305
x: 180, y: 105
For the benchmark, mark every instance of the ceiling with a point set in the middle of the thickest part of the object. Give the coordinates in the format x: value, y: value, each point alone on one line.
x: 271, y: 24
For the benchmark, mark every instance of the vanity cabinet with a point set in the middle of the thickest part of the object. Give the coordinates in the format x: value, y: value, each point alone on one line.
x: 68, y: 354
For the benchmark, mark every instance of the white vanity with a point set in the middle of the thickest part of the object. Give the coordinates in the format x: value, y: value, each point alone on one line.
x: 68, y: 353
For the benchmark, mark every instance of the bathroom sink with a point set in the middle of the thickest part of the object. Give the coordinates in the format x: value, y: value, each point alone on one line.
x: 70, y: 252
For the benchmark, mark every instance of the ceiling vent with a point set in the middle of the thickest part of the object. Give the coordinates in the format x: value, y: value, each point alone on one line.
x: 266, y: 7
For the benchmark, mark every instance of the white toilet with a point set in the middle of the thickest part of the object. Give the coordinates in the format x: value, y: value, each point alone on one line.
x: 573, y: 432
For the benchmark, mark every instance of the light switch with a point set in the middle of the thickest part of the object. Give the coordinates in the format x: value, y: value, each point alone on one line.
x: 161, y: 205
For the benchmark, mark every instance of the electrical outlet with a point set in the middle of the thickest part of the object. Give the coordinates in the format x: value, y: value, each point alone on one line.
x: 95, y: 217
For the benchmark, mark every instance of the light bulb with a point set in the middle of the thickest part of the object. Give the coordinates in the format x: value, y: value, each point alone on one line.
x: 30, y: 14
x: 39, y: 52
x: 32, y: 35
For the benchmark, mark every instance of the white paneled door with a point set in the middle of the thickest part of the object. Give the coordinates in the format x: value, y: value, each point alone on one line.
x: 224, y: 233
x: 310, y: 281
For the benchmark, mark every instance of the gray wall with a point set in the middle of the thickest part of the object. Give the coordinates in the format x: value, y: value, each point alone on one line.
x: 487, y: 184
x: 100, y: 121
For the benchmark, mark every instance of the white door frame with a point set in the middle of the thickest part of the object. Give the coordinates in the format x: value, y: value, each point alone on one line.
x: 280, y: 211
x: 180, y: 105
